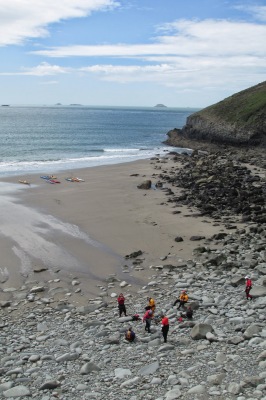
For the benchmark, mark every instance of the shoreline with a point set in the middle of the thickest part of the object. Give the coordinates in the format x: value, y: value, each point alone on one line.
x: 55, y: 167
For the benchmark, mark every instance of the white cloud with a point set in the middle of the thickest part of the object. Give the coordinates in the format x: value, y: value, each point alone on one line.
x: 44, y: 69
x: 161, y: 73
x: 184, y: 74
x: 187, y: 55
x: 259, y: 12
x: 49, y: 83
x: 190, y: 53
x: 189, y: 38
x: 20, y: 20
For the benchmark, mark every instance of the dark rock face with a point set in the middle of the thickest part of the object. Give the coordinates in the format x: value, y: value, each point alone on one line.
x: 204, y: 127
x: 237, y: 120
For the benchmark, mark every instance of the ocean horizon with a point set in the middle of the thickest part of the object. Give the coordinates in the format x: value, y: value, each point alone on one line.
x: 47, y: 139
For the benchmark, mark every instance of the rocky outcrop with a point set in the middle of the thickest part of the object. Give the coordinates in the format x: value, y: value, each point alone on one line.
x: 219, y: 188
x: 238, y: 120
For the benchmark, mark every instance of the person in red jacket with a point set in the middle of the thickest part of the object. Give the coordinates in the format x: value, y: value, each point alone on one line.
x: 165, y: 327
x: 121, y: 305
x: 248, y: 287
x: 147, y: 317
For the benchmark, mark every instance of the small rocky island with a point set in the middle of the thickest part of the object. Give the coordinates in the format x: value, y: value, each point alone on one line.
x: 239, y: 120
x: 160, y: 106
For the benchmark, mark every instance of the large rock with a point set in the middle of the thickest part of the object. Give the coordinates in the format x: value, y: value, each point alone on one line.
x: 145, y: 185
x: 252, y: 330
x: 173, y: 394
x: 50, y: 385
x: 199, y: 389
x: 199, y: 331
x: 131, y: 382
x: 17, y: 391
x: 88, y: 368
x: 216, y: 379
x: 237, y: 280
x: 67, y: 357
x: 122, y: 373
x: 234, y: 388
x: 258, y: 291
x: 91, y: 308
x: 113, y: 339
x: 149, y: 369
x: 235, y: 340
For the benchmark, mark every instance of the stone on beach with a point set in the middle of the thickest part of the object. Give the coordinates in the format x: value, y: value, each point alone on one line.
x: 199, y: 331
x: 145, y: 185
x: 17, y: 391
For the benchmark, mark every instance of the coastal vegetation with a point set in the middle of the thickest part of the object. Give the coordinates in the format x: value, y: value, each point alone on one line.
x: 237, y: 120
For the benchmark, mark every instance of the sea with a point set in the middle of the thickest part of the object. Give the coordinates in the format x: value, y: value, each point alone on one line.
x: 46, y: 139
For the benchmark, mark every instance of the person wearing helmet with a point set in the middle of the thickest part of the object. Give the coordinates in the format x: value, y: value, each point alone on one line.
x: 121, y: 305
x: 151, y: 304
x: 130, y: 335
x: 248, y: 287
x: 147, y: 317
x: 165, y: 327
x: 183, y: 298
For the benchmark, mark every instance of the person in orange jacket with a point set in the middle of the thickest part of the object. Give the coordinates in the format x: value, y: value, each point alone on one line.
x: 183, y: 298
x: 151, y: 304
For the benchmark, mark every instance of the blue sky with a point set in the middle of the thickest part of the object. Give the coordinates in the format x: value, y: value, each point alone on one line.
x: 180, y: 53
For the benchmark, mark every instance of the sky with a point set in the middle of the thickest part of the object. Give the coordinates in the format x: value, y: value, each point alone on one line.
x: 180, y: 53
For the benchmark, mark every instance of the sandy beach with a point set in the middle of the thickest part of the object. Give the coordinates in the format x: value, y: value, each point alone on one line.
x: 84, y: 230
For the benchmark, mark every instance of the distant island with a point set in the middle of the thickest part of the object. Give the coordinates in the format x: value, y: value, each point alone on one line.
x: 160, y: 105
x: 5, y: 105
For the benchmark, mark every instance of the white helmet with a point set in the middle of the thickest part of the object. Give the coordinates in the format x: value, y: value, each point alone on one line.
x: 247, y: 277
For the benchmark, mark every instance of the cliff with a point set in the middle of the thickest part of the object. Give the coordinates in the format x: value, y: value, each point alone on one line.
x: 237, y: 120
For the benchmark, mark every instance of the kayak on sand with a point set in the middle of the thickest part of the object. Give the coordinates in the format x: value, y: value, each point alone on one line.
x: 25, y: 182
x: 74, y: 179
x: 47, y: 177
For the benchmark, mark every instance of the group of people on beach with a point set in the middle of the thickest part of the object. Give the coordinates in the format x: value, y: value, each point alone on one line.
x: 149, y: 315
x: 163, y: 319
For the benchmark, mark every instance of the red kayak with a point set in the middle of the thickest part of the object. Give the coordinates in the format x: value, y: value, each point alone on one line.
x: 53, y: 181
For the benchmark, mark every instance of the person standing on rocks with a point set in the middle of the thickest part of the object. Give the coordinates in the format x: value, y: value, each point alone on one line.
x: 165, y: 327
x: 248, y: 287
x: 147, y: 317
x: 121, y: 305
x: 183, y: 298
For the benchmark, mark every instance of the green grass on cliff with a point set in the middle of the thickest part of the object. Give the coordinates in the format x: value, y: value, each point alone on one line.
x: 244, y: 108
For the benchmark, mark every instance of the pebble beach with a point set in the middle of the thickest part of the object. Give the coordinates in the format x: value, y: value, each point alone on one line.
x: 69, y: 249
